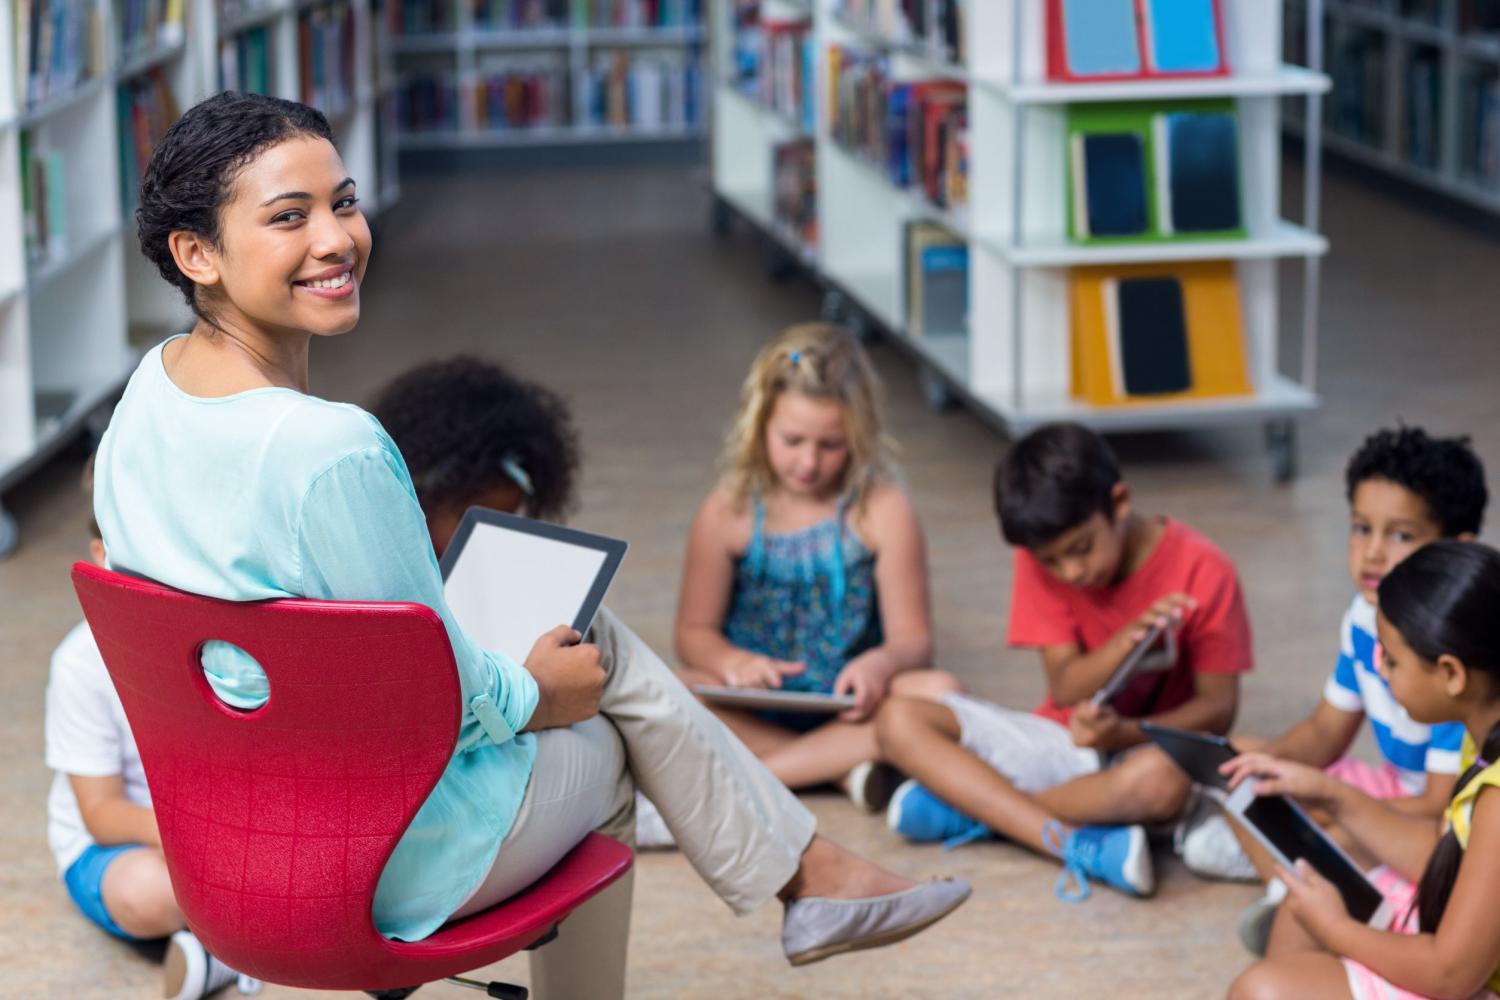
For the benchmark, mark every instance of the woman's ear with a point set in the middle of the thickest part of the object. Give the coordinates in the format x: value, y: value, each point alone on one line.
x: 1119, y: 496
x: 1455, y: 674
x: 195, y: 257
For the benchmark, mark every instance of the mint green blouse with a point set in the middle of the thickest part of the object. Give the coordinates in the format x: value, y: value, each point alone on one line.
x: 273, y: 493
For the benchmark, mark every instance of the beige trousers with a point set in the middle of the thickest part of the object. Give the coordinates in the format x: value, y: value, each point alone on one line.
x: 735, y: 823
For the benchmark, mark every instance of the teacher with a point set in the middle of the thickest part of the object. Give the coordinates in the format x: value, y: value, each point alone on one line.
x: 221, y: 475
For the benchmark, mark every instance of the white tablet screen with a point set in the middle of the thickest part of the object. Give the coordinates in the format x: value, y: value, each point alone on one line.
x: 508, y: 587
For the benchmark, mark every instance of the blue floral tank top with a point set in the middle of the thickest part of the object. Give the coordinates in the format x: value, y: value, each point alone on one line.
x: 805, y: 596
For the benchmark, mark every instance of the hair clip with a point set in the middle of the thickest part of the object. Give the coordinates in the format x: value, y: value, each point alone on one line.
x: 1481, y: 763
x: 796, y: 358
x: 511, y: 466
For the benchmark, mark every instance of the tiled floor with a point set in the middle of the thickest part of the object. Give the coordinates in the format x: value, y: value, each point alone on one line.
x: 609, y: 287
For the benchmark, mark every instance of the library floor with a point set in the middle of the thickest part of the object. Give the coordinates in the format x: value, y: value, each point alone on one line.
x: 609, y: 287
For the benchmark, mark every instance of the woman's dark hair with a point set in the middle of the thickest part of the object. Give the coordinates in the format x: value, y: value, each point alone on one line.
x: 465, y: 425
x: 1443, y: 599
x: 1053, y: 480
x: 194, y: 166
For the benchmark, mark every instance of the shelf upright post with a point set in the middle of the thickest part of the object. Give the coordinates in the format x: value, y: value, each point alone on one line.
x: 1312, y: 199
x: 1017, y: 207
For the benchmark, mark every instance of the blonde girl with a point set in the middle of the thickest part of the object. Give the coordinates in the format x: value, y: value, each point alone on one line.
x: 806, y: 568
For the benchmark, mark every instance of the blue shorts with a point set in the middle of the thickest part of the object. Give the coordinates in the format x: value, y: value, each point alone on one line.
x: 797, y: 722
x: 85, y: 881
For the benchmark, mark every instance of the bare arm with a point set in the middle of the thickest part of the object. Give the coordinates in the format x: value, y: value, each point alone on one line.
x: 1433, y: 800
x: 1462, y: 955
x: 1211, y: 709
x: 1320, y: 739
x: 707, y: 581
x: 109, y: 816
x: 1073, y: 675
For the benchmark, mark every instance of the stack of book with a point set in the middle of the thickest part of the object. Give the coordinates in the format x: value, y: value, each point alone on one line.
x: 521, y: 92
x: 245, y: 62
x: 1358, y: 98
x: 325, y: 47
x: 146, y: 109
x: 427, y: 102
x: 937, y: 24
x: 147, y: 25
x: 418, y: 17
x: 774, y: 64
x: 521, y: 15
x: 44, y: 202
x: 640, y: 13
x: 647, y: 91
x: 1480, y: 154
x: 795, y: 176
x: 59, y: 44
x: 916, y: 132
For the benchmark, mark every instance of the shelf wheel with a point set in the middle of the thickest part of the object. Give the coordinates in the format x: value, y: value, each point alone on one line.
x: 1281, y: 445
x: 936, y: 392
x: 720, y: 217
x: 10, y: 533
x: 780, y: 265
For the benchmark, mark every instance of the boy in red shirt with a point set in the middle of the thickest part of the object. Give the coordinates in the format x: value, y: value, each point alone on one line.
x: 1092, y: 576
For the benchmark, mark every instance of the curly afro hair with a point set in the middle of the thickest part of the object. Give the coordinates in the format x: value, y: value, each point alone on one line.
x: 465, y: 425
x: 193, y: 168
x: 1444, y: 472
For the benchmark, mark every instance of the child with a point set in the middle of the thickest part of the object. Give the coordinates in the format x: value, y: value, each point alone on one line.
x: 1440, y: 639
x: 1405, y: 489
x: 1092, y: 575
x: 99, y: 821
x: 806, y: 567
x: 473, y: 434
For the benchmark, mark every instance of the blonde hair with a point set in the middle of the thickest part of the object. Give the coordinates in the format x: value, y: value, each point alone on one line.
x: 821, y: 361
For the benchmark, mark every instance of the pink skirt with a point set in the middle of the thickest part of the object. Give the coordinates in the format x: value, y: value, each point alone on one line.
x: 1401, y: 894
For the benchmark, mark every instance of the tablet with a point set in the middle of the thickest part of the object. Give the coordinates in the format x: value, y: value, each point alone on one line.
x: 1199, y: 754
x: 1139, y: 660
x: 1289, y: 834
x: 509, y: 579
x: 770, y: 698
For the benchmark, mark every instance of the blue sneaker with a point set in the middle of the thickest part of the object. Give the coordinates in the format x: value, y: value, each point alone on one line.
x: 918, y: 815
x: 1118, y: 856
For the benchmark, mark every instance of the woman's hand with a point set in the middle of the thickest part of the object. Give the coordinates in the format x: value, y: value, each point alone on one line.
x: 1275, y: 776
x: 752, y: 670
x: 1313, y: 900
x: 569, y: 679
x: 865, y: 678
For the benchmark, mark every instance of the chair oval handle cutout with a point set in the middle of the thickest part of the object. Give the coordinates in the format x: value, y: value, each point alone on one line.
x: 235, y: 678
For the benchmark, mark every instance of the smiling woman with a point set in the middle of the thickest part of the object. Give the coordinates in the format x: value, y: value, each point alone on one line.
x: 220, y: 475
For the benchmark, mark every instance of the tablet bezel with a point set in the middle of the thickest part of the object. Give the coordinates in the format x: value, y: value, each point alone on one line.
x: 614, y: 550
x: 1164, y: 735
x: 774, y: 699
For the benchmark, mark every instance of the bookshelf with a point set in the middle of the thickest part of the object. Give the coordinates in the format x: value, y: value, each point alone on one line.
x: 78, y: 302
x: 1416, y: 91
x: 1013, y: 362
x: 506, y: 73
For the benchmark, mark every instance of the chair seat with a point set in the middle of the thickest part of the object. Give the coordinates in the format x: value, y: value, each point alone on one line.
x: 504, y: 929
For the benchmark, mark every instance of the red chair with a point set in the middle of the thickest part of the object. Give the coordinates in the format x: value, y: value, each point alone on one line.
x: 276, y: 823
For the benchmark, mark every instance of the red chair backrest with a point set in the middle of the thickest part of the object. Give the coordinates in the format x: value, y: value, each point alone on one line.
x: 277, y: 823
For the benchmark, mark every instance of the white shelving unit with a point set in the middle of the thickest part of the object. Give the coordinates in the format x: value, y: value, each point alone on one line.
x: 73, y: 324
x: 464, y: 53
x: 1417, y: 91
x: 1013, y: 365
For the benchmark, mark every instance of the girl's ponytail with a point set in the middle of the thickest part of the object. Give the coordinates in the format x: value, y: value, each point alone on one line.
x: 1442, y: 599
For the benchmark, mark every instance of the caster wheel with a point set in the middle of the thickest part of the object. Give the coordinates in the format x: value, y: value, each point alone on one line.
x: 720, y: 218
x: 935, y: 391
x: 780, y: 265
x: 1281, y: 445
x: 10, y: 534
x: 399, y: 994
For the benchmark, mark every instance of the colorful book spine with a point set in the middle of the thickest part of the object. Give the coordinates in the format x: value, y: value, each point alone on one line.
x: 648, y: 91
x: 428, y: 102
x: 522, y: 92
x: 59, y: 45
x: 44, y: 202
x: 245, y: 62
x: 146, y: 109
x: 147, y: 25
x: 521, y: 15
x: 325, y: 42
x: 640, y: 13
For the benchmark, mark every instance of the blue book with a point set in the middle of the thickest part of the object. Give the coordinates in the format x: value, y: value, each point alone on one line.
x: 1100, y: 37
x: 1109, y: 185
x: 1182, y: 36
x: 1198, y: 172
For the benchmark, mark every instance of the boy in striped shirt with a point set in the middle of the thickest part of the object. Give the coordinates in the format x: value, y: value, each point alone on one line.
x: 1405, y: 489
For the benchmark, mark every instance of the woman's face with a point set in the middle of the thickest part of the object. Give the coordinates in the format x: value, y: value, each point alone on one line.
x: 294, y: 243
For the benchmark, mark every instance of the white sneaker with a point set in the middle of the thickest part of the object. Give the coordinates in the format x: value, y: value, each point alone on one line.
x: 1208, y: 847
x: 651, y: 833
x: 189, y: 972
x: 872, y: 784
x: 1256, y: 920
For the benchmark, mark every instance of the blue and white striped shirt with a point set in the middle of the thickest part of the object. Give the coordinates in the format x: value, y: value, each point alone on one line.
x: 1414, y: 749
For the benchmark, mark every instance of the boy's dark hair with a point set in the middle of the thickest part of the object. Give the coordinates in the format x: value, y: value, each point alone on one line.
x: 194, y: 166
x: 462, y: 423
x: 1444, y: 472
x: 1051, y: 480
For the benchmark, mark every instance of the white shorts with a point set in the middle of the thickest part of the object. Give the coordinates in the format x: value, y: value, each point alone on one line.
x: 1032, y: 752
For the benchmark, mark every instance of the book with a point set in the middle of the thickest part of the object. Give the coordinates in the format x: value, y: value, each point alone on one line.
x: 1108, y: 173
x: 937, y: 281
x: 146, y: 109
x: 1146, y: 325
x: 1128, y: 39
x: 1099, y: 38
x: 1198, y: 172
x: 795, y: 183
x: 1182, y: 36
